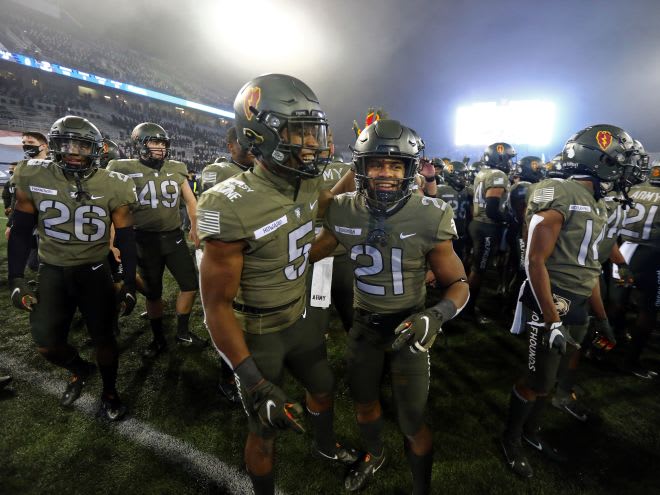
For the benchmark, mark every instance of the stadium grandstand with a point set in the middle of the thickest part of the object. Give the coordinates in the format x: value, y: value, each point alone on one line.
x: 32, y: 99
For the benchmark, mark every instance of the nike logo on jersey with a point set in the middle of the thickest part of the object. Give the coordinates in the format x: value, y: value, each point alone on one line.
x: 96, y: 197
x: 269, y: 404
x: 312, y: 205
x: 169, y: 175
x: 94, y: 268
x: 405, y: 236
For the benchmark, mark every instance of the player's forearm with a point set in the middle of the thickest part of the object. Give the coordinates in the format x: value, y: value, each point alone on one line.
x: 596, y: 302
x: 226, y: 332
x: 540, y: 282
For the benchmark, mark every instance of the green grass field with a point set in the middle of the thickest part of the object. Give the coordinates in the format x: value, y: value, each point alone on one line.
x: 182, y: 437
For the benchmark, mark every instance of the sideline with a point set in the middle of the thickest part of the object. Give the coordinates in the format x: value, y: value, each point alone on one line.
x: 172, y: 449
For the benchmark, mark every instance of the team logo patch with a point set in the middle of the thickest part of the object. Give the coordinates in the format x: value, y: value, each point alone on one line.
x: 500, y: 149
x: 604, y: 139
x: 562, y: 304
x: 251, y: 100
x: 534, y: 165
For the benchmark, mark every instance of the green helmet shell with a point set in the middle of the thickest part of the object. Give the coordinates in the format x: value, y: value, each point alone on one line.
x: 273, y: 104
x: 72, y: 129
x: 386, y: 139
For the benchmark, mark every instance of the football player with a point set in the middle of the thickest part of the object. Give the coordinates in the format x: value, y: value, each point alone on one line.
x: 73, y: 204
x: 566, y: 221
x: 241, y: 160
x: 640, y: 231
x: 258, y: 227
x: 491, y: 186
x: 161, y: 183
x: 452, y: 190
x: 391, y: 234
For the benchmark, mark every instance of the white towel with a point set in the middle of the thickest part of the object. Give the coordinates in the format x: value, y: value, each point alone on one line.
x: 321, y: 283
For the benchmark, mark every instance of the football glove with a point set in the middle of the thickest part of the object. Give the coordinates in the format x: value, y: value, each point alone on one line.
x: 420, y: 329
x: 125, y: 300
x: 266, y: 399
x: 626, y: 278
x: 22, y: 296
x: 558, y: 337
x: 603, y: 328
x: 274, y: 409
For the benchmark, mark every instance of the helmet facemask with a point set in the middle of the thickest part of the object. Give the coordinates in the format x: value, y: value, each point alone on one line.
x: 155, y: 155
x: 302, y: 148
x: 384, y: 194
x: 74, y: 154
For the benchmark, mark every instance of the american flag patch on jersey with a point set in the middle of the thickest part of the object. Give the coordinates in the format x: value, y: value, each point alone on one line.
x: 208, y: 221
x: 209, y: 176
x: 543, y: 195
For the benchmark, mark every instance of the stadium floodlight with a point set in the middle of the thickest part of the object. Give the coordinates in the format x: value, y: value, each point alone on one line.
x: 110, y: 83
x: 526, y: 122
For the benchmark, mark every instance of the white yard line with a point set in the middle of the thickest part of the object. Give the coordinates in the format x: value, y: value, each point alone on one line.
x: 174, y: 450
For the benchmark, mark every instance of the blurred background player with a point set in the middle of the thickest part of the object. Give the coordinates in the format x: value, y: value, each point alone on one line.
x: 160, y: 184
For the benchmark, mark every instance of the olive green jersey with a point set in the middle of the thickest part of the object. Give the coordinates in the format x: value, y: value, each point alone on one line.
x: 158, y: 192
x: 73, y: 232
x: 389, y: 259
x: 574, y: 264
x: 214, y: 173
x: 258, y: 208
x: 486, y: 179
x: 614, y: 217
x: 641, y: 223
x: 459, y: 202
x: 333, y: 172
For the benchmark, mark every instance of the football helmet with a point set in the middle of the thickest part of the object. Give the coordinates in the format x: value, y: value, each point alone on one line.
x: 279, y: 119
x: 75, y: 144
x: 473, y: 169
x: 638, y: 169
x: 500, y: 156
x: 144, y: 133
x: 654, y: 173
x: 455, y: 174
x: 110, y: 152
x: 600, y: 151
x: 530, y: 169
x: 554, y: 168
x: 386, y: 139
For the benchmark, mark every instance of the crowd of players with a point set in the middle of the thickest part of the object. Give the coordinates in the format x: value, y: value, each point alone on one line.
x: 286, y: 231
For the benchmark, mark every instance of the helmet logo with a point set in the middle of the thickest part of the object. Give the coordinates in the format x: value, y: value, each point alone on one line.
x: 500, y: 149
x: 534, y: 165
x: 655, y: 172
x: 449, y: 168
x: 604, y: 139
x: 251, y: 100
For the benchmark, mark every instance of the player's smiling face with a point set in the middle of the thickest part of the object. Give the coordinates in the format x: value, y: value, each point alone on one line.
x: 385, y: 174
x: 309, y: 137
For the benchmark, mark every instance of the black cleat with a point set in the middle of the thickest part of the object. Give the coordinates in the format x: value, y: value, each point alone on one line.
x: 362, y: 472
x: 571, y: 405
x: 230, y: 391
x: 515, y: 458
x: 544, y: 447
x: 191, y: 340
x: 75, y: 386
x: 155, y: 349
x: 341, y: 455
x: 144, y: 315
x: 639, y: 371
x: 111, y: 408
x: 4, y: 381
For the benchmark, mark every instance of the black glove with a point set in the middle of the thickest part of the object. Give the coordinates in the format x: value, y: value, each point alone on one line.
x: 558, y: 337
x: 22, y: 296
x: 267, y: 400
x: 626, y: 278
x: 126, y: 300
x: 603, y: 328
x: 420, y: 330
x: 274, y: 409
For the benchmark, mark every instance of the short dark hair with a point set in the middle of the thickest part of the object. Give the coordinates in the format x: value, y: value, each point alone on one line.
x: 36, y: 135
x: 232, y: 136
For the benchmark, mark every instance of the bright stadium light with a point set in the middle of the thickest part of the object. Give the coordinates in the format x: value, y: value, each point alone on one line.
x: 529, y: 122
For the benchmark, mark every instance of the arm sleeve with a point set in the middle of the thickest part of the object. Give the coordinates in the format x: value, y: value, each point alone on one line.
x: 20, y: 242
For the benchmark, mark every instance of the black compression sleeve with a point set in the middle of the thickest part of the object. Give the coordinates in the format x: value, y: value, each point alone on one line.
x: 20, y: 242
x: 493, y: 209
x: 125, y: 242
